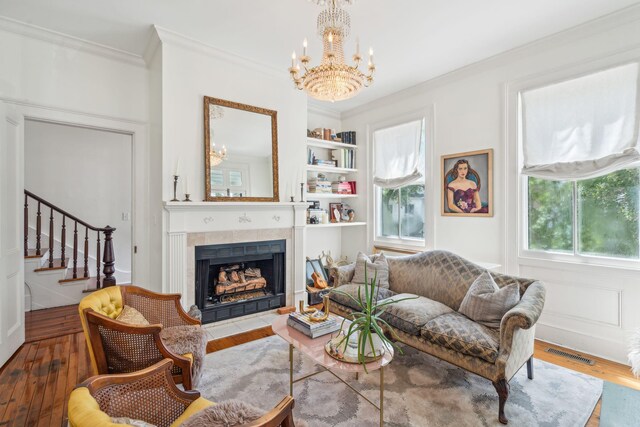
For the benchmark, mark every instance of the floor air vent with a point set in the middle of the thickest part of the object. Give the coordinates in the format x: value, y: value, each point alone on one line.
x: 571, y: 356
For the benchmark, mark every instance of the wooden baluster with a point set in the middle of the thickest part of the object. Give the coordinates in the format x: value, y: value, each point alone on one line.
x: 26, y: 226
x: 63, y: 242
x: 98, y: 262
x: 75, y: 250
x: 51, y: 239
x: 86, y: 252
x: 38, y: 231
x: 108, y: 258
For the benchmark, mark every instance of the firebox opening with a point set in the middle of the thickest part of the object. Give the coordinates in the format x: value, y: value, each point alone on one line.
x: 240, y: 281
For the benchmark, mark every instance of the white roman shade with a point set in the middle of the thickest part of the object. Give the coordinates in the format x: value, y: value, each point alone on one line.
x: 583, y: 127
x: 397, y: 157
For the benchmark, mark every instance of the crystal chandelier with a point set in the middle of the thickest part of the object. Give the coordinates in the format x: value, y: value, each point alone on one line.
x: 333, y: 79
x: 216, y: 156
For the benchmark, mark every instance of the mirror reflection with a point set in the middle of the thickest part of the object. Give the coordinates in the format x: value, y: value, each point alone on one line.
x: 241, y: 149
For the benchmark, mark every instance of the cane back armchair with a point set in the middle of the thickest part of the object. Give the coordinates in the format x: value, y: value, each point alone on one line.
x: 118, y: 347
x: 149, y: 395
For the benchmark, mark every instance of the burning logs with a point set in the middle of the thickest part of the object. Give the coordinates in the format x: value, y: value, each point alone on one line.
x: 235, y: 279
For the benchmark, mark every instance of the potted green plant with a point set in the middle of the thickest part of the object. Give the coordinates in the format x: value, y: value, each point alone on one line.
x: 365, y: 331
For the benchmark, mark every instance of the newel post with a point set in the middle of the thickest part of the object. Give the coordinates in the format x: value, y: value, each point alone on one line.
x: 108, y: 258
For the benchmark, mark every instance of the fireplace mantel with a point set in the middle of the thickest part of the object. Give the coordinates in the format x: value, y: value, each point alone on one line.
x: 185, y: 222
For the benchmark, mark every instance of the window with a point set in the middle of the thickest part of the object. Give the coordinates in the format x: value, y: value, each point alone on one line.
x: 400, y: 212
x: 593, y: 217
x: 229, y: 181
x: 580, y: 150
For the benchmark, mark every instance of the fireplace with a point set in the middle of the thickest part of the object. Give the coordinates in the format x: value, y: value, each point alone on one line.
x: 237, y: 279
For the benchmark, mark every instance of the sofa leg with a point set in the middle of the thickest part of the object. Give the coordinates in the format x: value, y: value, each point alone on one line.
x: 502, y: 387
x: 530, y: 368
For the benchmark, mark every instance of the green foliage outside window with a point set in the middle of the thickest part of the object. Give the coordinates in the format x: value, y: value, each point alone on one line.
x: 606, y: 215
x: 402, y: 212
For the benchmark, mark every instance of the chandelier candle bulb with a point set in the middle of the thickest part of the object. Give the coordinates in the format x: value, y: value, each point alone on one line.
x: 293, y: 59
x: 304, y: 47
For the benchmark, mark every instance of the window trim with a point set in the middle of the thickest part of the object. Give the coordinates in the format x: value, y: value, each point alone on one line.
x: 517, y: 251
x: 428, y: 119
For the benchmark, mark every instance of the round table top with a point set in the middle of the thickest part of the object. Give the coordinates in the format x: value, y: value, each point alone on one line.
x: 314, y: 348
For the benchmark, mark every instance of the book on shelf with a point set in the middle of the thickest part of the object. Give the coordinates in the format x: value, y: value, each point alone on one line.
x: 347, y: 137
x: 313, y: 333
x: 344, y: 158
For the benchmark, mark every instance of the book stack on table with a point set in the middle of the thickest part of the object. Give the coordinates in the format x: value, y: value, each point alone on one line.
x: 301, y: 323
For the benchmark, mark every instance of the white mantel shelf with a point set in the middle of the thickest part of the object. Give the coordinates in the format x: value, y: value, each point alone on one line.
x: 231, y: 205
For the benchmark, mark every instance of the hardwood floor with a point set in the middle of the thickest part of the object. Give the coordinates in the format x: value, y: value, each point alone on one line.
x: 36, y: 382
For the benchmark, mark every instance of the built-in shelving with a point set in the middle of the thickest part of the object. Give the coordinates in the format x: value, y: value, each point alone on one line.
x: 330, y: 169
x: 337, y: 224
x: 323, y: 143
x: 329, y: 196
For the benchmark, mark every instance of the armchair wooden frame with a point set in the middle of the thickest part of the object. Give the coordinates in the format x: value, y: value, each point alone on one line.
x: 107, y: 387
x: 95, y: 321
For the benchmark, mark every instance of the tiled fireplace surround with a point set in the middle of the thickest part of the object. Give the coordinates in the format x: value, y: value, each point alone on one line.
x: 194, y: 224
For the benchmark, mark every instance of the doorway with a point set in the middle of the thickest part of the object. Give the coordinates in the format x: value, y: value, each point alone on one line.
x: 88, y: 173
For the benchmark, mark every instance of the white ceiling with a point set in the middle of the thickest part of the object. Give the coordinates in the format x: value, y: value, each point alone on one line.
x: 414, y: 40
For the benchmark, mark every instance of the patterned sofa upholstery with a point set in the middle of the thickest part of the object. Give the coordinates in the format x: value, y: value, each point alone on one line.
x: 431, y: 322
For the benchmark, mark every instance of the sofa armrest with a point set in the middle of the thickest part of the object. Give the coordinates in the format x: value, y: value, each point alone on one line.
x: 343, y: 274
x: 524, y: 315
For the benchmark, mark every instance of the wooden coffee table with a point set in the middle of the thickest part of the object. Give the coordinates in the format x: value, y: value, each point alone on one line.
x: 314, y: 349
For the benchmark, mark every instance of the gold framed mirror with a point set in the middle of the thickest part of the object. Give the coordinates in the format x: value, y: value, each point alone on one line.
x: 240, y: 152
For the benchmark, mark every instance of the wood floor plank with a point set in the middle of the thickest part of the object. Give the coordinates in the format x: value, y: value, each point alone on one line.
x: 72, y: 372
x: 43, y: 416
x: 60, y: 396
x: 22, y: 374
x: 30, y: 410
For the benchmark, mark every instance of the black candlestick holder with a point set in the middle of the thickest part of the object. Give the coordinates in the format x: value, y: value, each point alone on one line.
x: 186, y: 197
x: 302, y: 192
x: 175, y: 188
x: 293, y: 199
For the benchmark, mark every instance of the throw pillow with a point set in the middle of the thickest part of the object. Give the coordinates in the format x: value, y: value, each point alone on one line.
x: 224, y: 414
x: 131, y: 422
x: 486, y: 303
x: 375, y: 264
x: 132, y: 316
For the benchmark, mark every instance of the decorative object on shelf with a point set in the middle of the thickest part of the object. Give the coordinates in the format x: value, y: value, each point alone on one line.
x: 292, y: 199
x: 302, y: 192
x: 245, y: 129
x: 332, y: 80
x: 335, y: 209
x: 175, y: 188
x: 186, y: 197
x: 467, y: 184
x: 365, y: 325
x: 348, y: 214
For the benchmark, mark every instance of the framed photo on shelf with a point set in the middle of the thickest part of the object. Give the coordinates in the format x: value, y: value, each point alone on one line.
x: 335, y: 212
x: 467, y: 184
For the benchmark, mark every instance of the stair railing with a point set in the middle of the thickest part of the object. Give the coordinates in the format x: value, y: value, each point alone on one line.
x: 108, y: 257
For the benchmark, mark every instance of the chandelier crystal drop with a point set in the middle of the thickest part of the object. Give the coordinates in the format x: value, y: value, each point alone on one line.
x: 333, y: 79
x: 217, y: 156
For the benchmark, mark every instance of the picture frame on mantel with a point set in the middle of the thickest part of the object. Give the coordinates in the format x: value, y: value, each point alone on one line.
x: 467, y: 184
x: 237, y: 177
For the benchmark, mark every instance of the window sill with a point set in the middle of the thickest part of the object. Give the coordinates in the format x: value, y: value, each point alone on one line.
x: 578, y: 264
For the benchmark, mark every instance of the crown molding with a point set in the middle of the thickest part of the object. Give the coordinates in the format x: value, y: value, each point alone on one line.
x: 177, y: 39
x: 604, y: 23
x: 153, y: 44
x: 71, y: 42
x: 316, y: 107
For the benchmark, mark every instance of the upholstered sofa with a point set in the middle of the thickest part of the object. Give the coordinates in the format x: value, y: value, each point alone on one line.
x: 431, y: 322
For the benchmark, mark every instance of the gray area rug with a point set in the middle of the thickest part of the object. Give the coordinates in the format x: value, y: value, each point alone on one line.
x: 420, y: 390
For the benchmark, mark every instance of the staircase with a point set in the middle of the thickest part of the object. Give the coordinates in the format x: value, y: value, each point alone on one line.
x: 53, y: 276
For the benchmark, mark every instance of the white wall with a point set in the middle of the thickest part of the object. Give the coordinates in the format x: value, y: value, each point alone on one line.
x: 191, y: 71
x: 590, y: 310
x: 87, y: 173
x: 52, y: 77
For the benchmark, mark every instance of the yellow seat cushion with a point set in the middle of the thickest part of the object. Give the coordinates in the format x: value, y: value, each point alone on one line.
x: 84, y: 411
x: 197, y: 406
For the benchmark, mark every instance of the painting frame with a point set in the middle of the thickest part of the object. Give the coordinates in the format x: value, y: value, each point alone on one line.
x: 335, y: 212
x: 482, y: 177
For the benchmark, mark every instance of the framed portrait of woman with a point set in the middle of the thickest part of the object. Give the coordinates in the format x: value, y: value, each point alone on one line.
x: 467, y: 183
